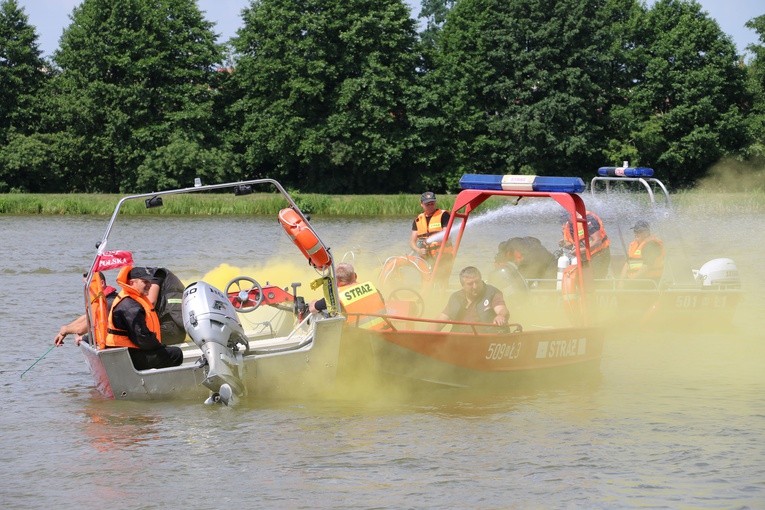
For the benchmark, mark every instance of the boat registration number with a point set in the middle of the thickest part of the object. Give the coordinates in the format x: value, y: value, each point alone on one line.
x: 700, y: 302
x: 504, y: 351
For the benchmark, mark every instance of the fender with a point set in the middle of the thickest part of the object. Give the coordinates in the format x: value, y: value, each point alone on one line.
x: 304, y: 238
x: 570, y: 291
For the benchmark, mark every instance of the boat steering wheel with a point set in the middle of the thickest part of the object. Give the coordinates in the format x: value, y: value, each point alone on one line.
x: 244, y: 287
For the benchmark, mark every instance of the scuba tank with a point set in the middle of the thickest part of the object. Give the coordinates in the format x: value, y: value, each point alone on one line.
x: 564, y: 260
x: 563, y: 263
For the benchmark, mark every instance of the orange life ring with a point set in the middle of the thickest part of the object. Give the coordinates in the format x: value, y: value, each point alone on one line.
x: 304, y: 238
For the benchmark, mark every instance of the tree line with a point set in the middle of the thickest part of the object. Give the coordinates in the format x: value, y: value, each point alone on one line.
x: 346, y: 96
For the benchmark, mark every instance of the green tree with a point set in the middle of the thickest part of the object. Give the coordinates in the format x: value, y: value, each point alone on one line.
x: 434, y: 12
x: 686, y: 109
x: 137, y: 81
x: 756, y: 81
x: 22, y: 69
x: 525, y: 86
x: 323, y: 88
x: 22, y: 74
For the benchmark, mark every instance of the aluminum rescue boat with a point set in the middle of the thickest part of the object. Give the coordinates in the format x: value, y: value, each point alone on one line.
x: 416, y: 347
x: 685, y: 297
x: 246, y: 340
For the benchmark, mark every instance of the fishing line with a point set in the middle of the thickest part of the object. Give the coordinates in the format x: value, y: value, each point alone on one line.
x: 38, y: 359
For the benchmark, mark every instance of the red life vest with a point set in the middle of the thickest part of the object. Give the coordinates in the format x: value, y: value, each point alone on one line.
x: 119, y: 338
x: 363, y: 298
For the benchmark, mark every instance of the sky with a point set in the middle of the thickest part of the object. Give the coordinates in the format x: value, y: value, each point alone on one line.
x: 50, y: 17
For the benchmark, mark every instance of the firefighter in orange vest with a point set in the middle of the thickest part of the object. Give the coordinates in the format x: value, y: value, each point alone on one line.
x: 645, y: 255
x: 133, y: 323
x: 430, y: 221
x: 357, y: 299
x: 600, y: 245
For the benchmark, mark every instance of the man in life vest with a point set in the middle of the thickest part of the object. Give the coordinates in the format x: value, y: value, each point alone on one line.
x: 356, y: 299
x: 133, y: 323
x: 645, y: 255
x: 79, y: 326
x: 430, y: 221
x: 476, y: 302
x: 166, y: 293
x: 600, y: 245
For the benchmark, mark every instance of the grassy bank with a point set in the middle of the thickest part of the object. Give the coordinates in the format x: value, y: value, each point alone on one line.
x: 213, y: 204
x: 325, y: 205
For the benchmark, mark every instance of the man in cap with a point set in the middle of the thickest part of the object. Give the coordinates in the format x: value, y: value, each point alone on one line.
x: 431, y: 221
x: 645, y: 255
x: 133, y: 322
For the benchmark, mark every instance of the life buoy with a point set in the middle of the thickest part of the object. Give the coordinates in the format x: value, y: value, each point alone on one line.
x: 304, y: 238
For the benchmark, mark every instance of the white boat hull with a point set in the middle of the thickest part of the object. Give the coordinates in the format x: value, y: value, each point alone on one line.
x: 296, y: 365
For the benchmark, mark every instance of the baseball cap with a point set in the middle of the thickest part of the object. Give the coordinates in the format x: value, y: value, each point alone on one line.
x: 641, y: 225
x: 428, y: 197
x: 144, y: 273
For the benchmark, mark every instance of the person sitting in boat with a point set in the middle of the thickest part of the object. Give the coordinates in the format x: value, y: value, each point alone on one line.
x: 166, y: 293
x: 430, y: 221
x: 356, y: 298
x: 476, y: 302
x: 79, y: 326
x: 532, y: 260
x: 645, y: 255
x: 133, y: 323
x: 600, y: 245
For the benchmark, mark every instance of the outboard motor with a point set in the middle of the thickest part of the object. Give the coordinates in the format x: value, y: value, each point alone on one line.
x: 718, y: 272
x: 211, y: 321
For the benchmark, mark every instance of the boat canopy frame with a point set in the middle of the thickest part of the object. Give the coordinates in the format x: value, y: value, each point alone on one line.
x: 469, y: 200
x: 647, y: 182
x: 239, y: 188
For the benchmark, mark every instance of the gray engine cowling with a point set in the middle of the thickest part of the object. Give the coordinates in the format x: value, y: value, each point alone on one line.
x: 209, y: 316
x: 211, y: 321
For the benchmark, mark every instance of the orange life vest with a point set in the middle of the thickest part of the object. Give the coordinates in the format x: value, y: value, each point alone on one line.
x: 635, y: 258
x: 99, y: 312
x: 568, y: 233
x: 425, y: 228
x: 363, y: 298
x: 119, y: 338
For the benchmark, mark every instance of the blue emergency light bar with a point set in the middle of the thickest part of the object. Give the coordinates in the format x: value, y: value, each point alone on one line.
x: 522, y: 183
x: 625, y: 171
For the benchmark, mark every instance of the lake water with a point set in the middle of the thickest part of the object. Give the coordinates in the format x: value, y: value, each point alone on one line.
x: 670, y: 421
